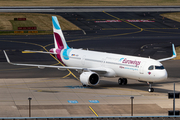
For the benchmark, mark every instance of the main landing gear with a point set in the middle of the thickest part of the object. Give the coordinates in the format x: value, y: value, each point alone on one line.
x: 122, y: 81
x: 150, y: 88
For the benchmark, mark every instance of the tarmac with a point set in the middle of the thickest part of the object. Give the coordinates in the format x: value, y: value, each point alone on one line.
x: 57, y: 93
x: 57, y: 97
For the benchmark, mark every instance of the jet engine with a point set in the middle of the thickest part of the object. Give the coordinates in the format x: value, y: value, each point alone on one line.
x: 89, y: 78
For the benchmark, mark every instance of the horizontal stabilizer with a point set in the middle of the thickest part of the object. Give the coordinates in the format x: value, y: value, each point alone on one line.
x: 30, y: 51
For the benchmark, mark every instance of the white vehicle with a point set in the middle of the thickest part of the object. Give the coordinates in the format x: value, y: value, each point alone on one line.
x: 92, y: 65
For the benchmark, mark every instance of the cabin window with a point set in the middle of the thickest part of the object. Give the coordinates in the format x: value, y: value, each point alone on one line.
x: 159, y: 67
x: 151, y: 67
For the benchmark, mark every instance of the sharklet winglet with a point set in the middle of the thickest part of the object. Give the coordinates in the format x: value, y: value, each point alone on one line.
x: 169, y: 58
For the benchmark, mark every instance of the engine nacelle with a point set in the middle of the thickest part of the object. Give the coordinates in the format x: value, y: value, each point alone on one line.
x: 89, y: 78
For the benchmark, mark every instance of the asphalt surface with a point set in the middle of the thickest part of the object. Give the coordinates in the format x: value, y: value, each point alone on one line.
x: 58, y: 93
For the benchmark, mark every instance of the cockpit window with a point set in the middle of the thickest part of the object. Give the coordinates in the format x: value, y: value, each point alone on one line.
x: 151, y: 67
x: 159, y: 67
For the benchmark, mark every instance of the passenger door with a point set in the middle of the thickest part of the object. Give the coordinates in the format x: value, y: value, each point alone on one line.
x: 83, y: 60
x: 141, y: 68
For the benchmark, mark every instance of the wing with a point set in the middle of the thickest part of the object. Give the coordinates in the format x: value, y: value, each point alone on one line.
x: 30, y: 51
x: 57, y: 67
x: 173, y: 56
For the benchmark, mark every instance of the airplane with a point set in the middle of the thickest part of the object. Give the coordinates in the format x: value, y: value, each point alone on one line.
x: 92, y: 64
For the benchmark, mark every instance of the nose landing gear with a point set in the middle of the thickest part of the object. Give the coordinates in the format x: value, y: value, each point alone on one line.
x: 150, y: 87
x: 122, y: 81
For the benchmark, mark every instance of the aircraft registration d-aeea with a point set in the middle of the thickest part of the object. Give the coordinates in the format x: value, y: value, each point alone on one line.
x: 92, y: 65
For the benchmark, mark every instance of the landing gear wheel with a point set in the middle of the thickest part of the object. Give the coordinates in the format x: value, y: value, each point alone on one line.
x: 84, y: 85
x: 122, y: 81
x: 151, y: 89
x: 125, y: 81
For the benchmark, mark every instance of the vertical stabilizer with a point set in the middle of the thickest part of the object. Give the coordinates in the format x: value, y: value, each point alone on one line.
x: 59, y: 39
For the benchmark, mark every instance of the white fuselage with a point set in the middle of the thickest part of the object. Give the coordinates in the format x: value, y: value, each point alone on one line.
x: 117, y: 65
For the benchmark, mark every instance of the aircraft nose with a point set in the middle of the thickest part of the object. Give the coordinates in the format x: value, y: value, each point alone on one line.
x: 165, y: 74
x: 162, y: 75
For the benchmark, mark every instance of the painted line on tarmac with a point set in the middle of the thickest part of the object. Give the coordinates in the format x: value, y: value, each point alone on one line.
x: 126, y: 33
x: 161, y: 32
x: 48, y: 45
x: 67, y: 75
x: 137, y: 28
x: 93, y: 101
x: 160, y: 28
x: 73, y: 101
x: 122, y: 20
x: 93, y: 111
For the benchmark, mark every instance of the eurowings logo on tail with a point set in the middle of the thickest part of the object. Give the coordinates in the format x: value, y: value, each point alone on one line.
x: 59, y: 40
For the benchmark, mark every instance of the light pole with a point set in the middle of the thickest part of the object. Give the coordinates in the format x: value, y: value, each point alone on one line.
x: 174, y: 101
x: 131, y: 105
x: 29, y: 106
x: 173, y: 95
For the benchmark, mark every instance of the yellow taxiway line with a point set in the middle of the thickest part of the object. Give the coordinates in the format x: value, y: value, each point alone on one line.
x: 93, y: 111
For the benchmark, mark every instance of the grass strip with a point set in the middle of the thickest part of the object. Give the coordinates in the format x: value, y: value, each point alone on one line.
x: 25, y: 33
x: 173, y: 16
x: 41, y: 21
x: 178, y: 53
x: 27, y: 23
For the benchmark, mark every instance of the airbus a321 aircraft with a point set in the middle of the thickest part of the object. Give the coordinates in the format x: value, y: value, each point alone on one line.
x: 92, y: 65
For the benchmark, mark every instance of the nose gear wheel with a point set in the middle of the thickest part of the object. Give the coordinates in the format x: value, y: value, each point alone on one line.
x: 150, y: 87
